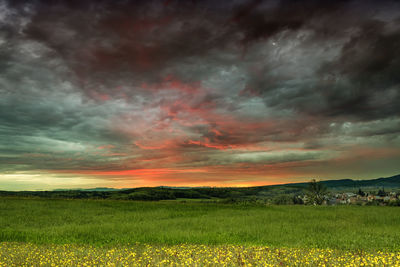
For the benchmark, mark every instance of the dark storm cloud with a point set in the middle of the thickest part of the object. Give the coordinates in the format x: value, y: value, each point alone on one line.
x: 259, y: 20
x: 371, y: 63
x: 107, y: 43
x: 109, y: 85
x: 360, y: 83
x: 45, y: 122
x: 112, y: 43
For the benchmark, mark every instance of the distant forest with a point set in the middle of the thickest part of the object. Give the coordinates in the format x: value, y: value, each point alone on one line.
x: 165, y: 193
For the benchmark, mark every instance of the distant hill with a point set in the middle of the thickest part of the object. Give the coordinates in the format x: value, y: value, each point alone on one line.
x: 100, y: 189
x: 284, y: 193
x: 386, y: 182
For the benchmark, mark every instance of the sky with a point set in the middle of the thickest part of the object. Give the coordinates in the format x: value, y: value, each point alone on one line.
x: 197, y: 93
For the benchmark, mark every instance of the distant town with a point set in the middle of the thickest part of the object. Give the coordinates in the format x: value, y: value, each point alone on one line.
x: 381, y: 197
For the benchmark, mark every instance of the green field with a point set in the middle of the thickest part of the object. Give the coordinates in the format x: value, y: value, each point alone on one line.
x: 106, y: 222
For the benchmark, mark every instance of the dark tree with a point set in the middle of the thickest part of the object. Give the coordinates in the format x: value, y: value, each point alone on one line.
x: 297, y: 200
x: 382, y: 192
x: 360, y: 192
x: 316, y: 192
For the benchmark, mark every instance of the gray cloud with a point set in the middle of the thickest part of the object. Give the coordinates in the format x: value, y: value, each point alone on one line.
x: 111, y: 85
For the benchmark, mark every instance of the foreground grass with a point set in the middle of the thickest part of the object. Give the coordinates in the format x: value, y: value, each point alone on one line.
x: 22, y: 254
x: 116, y: 223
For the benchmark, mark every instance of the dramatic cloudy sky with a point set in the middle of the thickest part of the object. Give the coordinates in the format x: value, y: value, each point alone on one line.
x: 190, y: 93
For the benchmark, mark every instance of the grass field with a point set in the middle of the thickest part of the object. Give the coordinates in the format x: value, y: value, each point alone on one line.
x: 99, y: 223
x: 40, y: 232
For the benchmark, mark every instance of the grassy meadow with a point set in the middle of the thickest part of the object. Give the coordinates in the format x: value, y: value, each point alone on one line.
x: 98, y: 222
x: 276, y: 232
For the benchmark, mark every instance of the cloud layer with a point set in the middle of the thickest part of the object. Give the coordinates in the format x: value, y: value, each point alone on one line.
x: 132, y: 93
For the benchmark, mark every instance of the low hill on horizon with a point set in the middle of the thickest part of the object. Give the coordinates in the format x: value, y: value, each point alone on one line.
x: 386, y: 182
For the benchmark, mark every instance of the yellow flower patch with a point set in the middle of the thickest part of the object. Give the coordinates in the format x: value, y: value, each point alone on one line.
x: 25, y: 254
